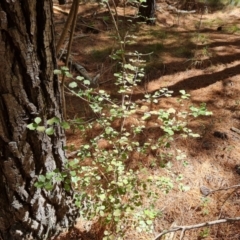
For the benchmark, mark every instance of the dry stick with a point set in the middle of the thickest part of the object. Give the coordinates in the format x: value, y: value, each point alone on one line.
x: 235, y: 130
x: 66, y: 27
x: 226, y: 200
x: 60, y: 10
x: 115, y: 9
x: 220, y: 189
x: 74, y: 20
x: 79, y: 68
x: 85, y: 25
x: 200, y: 225
x: 224, y: 204
x: 117, y: 31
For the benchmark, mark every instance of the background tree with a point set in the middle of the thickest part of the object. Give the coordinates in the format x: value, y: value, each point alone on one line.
x: 147, y: 11
x: 28, y: 89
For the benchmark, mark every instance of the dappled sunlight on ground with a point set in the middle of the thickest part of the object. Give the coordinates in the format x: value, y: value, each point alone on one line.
x: 209, y: 70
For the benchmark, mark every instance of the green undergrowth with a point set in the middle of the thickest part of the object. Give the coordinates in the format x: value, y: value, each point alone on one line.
x: 106, y: 186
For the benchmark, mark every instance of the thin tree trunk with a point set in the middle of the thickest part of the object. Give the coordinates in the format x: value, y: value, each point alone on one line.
x: 29, y: 89
x: 147, y: 11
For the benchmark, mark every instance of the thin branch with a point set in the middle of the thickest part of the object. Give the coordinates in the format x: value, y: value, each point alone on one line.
x: 117, y: 32
x: 56, y: 8
x: 226, y: 188
x: 91, y: 27
x: 200, y: 225
x: 226, y: 201
x: 220, y: 189
x: 235, y: 130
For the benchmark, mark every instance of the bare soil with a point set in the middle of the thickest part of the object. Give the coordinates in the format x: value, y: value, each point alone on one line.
x: 199, y: 53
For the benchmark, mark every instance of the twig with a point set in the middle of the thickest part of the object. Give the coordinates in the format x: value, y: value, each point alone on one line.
x: 89, y: 26
x: 220, y: 214
x: 175, y: 10
x: 226, y: 201
x: 137, y: 54
x: 220, y: 189
x: 79, y: 68
x: 235, y: 130
x: 72, y: 93
x: 200, y: 225
x: 60, y: 10
x: 117, y: 32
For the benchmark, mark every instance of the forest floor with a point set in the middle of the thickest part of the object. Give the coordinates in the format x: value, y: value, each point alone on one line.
x: 200, y: 53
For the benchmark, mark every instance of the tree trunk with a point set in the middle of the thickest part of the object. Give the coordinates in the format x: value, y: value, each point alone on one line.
x: 147, y: 11
x: 29, y: 89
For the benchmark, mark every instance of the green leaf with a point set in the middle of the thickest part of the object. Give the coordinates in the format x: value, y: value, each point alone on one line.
x: 75, y: 179
x: 67, y: 187
x: 73, y: 85
x: 129, y: 66
x: 32, y: 126
x: 57, y: 72
x: 108, y: 130
x: 41, y: 178
x: 65, y: 125
x: 117, y: 74
x: 50, y: 131
x: 50, y: 175
x: 86, y: 82
x: 171, y: 110
x: 38, y: 185
x: 146, y: 116
x: 69, y: 75
x: 102, y: 197
x: 37, y: 120
x: 73, y: 173
x: 64, y: 68
x: 195, y: 135
x: 48, y: 186
x: 116, y: 213
x: 101, y: 213
x: 149, y: 222
x: 182, y: 92
x: 40, y: 128
x: 80, y: 78
x: 53, y: 120
x: 106, y: 233
x: 86, y: 146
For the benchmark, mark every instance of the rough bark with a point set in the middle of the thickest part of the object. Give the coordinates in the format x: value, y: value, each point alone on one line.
x: 147, y: 11
x: 29, y: 89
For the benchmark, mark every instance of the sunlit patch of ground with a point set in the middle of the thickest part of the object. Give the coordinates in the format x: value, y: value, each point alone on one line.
x: 205, y: 61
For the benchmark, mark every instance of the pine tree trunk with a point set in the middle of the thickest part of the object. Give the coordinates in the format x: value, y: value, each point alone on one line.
x: 28, y: 89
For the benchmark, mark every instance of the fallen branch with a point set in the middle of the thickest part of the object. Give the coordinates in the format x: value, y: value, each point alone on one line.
x: 90, y: 27
x: 200, y: 225
x: 219, y: 216
x: 205, y: 191
x: 58, y: 9
x: 79, y: 68
x: 175, y: 10
x: 235, y: 130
